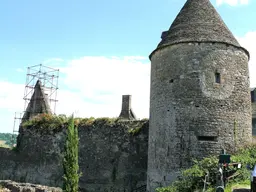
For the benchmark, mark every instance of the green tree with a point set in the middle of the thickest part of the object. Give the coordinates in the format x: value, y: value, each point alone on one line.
x: 70, y: 163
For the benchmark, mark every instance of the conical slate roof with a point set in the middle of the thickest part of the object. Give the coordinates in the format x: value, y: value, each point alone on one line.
x: 38, y: 103
x: 198, y: 21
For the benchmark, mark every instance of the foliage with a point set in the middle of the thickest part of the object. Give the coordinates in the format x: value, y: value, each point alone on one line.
x: 242, y: 184
x: 70, y: 163
x: 135, y: 131
x: 92, y: 121
x: 7, y: 138
x: 46, y: 121
x: 192, y: 179
x: 15, y: 148
x: 84, y: 121
x: 55, y: 122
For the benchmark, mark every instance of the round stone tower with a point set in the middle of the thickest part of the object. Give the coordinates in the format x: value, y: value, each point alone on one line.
x: 200, y: 98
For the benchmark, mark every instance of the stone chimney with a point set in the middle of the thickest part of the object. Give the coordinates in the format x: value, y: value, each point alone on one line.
x: 127, y: 113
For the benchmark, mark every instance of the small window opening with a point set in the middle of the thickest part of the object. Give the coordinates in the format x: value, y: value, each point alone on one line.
x: 171, y: 81
x: 207, y: 138
x: 252, y: 97
x: 217, y: 77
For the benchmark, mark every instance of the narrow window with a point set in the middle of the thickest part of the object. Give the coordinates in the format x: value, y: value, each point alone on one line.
x: 217, y: 77
x: 252, y: 96
x: 207, y: 138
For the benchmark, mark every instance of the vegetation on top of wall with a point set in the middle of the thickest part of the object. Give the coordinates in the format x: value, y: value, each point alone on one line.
x: 137, y: 127
x: 136, y: 130
x: 84, y: 122
x: 48, y: 122
x: 192, y: 179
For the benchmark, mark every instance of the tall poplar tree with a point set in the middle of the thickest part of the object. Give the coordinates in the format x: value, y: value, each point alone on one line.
x: 70, y: 163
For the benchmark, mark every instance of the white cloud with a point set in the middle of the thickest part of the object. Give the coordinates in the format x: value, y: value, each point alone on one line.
x: 248, y: 42
x: 232, y: 2
x: 10, y: 101
x: 93, y: 86
x: 89, y: 86
x: 10, y: 95
x: 100, y: 82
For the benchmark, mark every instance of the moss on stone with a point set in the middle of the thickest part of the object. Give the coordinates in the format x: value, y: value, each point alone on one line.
x: 47, y: 123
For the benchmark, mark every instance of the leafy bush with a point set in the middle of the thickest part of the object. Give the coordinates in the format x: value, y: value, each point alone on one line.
x: 192, y: 179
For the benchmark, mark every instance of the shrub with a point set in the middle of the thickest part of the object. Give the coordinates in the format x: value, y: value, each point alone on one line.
x: 192, y: 179
x: 85, y: 121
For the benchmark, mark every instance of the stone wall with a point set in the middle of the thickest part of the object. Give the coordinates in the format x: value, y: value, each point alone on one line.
x: 36, y: 159
x: 11, y: 186
x: 111, y: 158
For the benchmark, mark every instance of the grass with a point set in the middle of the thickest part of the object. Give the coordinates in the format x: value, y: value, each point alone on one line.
x: 241, y: 185
x: 3, y: 145
x: 54, y: 123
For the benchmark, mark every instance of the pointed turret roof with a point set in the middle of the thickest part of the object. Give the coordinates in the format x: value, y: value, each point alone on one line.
x: 198, y: 21
x: 38, y: 103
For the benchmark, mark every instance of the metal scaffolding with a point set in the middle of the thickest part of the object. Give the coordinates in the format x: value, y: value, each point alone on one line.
x: 17, y: 117
x: 49, y: 81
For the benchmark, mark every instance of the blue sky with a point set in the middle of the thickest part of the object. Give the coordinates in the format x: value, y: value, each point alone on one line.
x: 99, y: 46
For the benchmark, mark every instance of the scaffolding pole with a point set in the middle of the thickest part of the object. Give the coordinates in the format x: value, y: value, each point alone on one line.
x: 49, y: 81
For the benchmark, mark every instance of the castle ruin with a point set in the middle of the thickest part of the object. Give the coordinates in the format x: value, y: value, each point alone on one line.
x: 199, y: 104
x: 199, y: 95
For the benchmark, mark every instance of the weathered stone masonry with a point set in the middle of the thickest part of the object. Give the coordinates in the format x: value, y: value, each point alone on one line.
x: 199, y: 103
x: 110, y: 158
x: 199, y: 95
